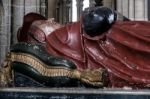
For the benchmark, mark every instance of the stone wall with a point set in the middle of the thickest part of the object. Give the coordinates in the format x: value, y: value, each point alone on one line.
x: 133, y: 9
x: 109, y: 3
x: 51, y: 8
x: 12, y: 12
x: 5, y: 28
x: 11, y: 18
x: 21, y: 8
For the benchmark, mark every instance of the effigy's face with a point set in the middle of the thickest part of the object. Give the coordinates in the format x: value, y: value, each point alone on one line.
x: 47, y: 26
x: 40, y: 29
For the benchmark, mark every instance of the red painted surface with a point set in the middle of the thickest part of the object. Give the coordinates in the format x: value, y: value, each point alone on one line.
x: 124, y: 50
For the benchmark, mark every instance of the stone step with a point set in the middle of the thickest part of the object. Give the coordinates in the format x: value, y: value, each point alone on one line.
x: 71, y: 93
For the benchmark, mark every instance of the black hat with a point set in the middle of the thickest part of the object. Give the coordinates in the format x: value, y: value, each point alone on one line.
x: 98, y: 20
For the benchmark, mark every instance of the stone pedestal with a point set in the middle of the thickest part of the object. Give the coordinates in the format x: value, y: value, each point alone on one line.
x: 72, y: 93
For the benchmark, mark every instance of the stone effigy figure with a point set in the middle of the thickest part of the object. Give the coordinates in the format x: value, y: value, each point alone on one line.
x: 118, y: 51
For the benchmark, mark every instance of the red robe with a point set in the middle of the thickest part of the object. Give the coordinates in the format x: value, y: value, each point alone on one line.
x: 124, y: 51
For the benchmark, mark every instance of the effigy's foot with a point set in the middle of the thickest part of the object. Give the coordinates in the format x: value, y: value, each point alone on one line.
x: 35, y: 63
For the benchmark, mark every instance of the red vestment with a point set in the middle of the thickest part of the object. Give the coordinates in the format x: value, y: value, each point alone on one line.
x: 124, y: 51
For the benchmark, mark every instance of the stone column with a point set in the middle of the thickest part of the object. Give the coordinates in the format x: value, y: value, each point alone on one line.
x: 43, y: 7
x: 64, y: 14
x: 123, y: 7
x: 60, y: 12
x: 52, y: 7
x: 57, y: 14
x: 5, y: 28
x: 17, y: 17
x: 109, y: 3
x: 133, y: 9
x: 22, y: 7
x: 92, y: 3
x: 68, y: 11
x: 79, y: 8
x: 31, y: 6
x: 141, y: 10
x: 146, y: 10
x: 63, y: 11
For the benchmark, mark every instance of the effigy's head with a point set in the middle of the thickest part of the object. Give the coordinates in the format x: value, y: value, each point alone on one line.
x: 98, y: 20
x: 40, y: 29
x: 22, y: 34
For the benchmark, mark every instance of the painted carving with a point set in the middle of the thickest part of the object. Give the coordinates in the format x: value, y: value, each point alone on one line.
x: 105, y: 52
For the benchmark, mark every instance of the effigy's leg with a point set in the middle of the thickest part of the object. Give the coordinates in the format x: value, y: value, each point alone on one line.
x: 34, y: 62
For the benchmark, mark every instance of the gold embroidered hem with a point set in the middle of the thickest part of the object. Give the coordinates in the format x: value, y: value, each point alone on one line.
x: 90, y: 77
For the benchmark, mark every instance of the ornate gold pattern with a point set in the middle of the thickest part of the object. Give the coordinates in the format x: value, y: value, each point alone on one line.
x: 92, y: 77
x: 6, y: 73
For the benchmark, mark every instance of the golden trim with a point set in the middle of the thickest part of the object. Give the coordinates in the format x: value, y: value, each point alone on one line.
x: 6, y: 74
x: 42, y: 68
x: 92, y: 77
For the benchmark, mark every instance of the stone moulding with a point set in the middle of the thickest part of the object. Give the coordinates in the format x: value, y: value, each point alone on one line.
x: 71, y: 93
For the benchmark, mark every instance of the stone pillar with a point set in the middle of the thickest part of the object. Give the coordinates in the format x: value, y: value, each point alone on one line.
x: 123, y: 7
x: 57, y: 14
x: 52, y: 8
x: 79, y: 8
x: 146, y: 9
x: 17, y: 17
x: 5, y: 28
x: 63, y: 11
x: 92, y: 3
x: 31, y: 6
x: 1, y: 33
x: 140, y: 10
x: 64, y: 14
x: 43, y: 7
x: 109, y: 3
x: 22, y: 7
x: 68, y: 11
x: 133, y: 9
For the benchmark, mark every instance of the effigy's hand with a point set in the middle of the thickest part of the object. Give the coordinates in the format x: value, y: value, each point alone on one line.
x: 96, y: 77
